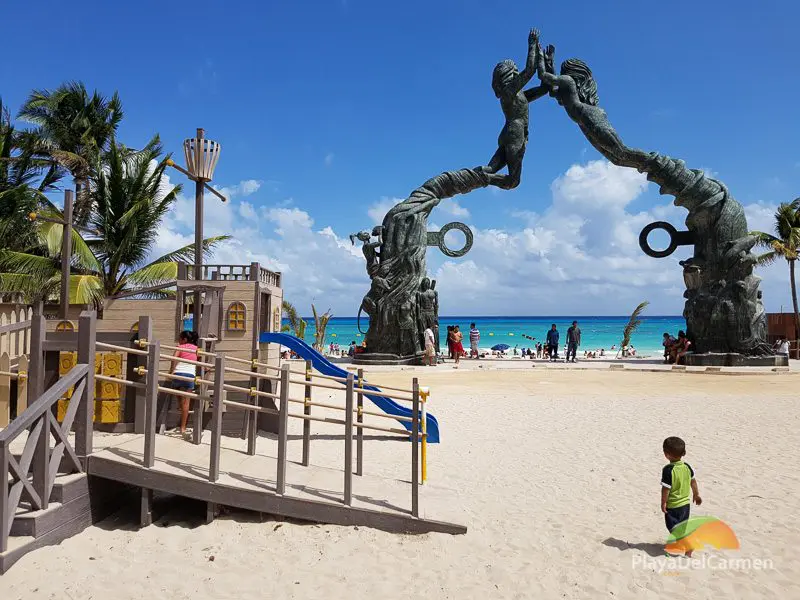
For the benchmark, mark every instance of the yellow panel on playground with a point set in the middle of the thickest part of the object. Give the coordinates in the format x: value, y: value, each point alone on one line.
x: 107, y: 405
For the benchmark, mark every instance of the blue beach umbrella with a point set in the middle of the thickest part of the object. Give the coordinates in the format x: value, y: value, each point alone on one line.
x: 500, y: 347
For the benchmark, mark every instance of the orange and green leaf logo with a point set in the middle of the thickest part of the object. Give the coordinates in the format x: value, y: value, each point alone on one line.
x: 696, y: 533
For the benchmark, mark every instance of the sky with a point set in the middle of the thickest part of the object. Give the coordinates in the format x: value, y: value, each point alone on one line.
x: 331, y: 111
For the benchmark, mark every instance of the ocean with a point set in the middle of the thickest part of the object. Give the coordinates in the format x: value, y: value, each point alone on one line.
x: 596, y: 332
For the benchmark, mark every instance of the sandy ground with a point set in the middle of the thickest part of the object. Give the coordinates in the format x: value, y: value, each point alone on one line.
x: 557, y: 473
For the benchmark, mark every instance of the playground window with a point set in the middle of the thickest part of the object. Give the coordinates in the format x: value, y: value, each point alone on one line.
x: 65, y: 326
x: 236, y: 317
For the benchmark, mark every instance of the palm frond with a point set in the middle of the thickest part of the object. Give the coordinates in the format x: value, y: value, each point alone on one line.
x: 320, y: 325
x: 186, y: 253
x: 154, y: 274
x: 85, y: 289
x: 633, y: 323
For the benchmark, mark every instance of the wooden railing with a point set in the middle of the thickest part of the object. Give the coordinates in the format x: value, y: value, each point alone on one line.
x: 215, y: 389
x: 30, y: 479
x: 251, y: 272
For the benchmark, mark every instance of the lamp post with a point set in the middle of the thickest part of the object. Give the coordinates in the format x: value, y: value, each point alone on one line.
x: 201, y: 156
x: 66, y: 248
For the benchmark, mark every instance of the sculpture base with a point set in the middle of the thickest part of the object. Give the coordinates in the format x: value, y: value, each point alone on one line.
x: 366, y: 358
x: 732, y: 359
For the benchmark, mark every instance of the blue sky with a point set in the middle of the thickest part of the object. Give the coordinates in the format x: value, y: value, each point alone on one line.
x: 331, y: 109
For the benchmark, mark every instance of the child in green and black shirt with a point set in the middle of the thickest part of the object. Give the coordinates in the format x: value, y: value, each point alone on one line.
x: 677, y: 478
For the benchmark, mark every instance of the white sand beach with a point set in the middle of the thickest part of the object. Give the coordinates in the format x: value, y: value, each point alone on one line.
x: 557, y: 476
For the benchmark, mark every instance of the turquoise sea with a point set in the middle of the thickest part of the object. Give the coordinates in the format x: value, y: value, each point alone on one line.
x: 596, y: 332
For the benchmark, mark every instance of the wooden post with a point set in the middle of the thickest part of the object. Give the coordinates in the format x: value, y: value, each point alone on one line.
x: 306, y: 422
x: 133, y: 394
x: 415, y: 449
x: 216, y: 418
x: 360, y: 419
x: 22, y: 385
x: 4, y: 501
x: 5, y: 390
x: 151, y: 403
x: 36, y: 372
x: 251, y: 417
x: 66, y: 255
x: 282, y: 433
x: 146, y: 507
x: 41, y: 456
x: 199, y: 406
x: 348, y: 441
x: 87, y: 336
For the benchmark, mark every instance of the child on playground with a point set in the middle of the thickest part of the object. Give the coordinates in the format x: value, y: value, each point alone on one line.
x: 677, y: 478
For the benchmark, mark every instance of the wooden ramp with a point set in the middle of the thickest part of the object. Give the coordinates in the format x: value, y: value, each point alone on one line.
x: 313, y: 493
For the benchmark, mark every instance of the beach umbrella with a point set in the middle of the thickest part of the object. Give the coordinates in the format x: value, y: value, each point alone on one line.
x: 500, y: 347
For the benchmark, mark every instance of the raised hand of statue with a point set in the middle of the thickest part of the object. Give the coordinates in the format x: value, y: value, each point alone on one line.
x: 533, y: 38
x: 549, y: 58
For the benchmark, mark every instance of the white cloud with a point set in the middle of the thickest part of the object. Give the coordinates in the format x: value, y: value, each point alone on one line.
x: 244, y: 188
x: 328, y: 160
x: 452, y: 207
x: 379, y: 209
x: 578, y: 256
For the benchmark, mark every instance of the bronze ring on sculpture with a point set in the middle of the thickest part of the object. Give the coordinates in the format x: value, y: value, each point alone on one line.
x: 436, y: 238
x: 676, y: 238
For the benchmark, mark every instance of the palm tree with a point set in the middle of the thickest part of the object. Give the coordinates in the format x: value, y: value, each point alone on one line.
x: 131, y: 203
x: 23, y: 179
x: 74, y: 128
x: 633, y: 324
x: 297, y: 326
x: 784, y: 244
x: 320, y: 325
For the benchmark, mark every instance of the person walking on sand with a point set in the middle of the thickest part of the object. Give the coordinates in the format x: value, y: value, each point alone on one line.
x: 573, y: 340
x: 677, y: 479
x: 183, y: 367
x: 474, y: 340
x: 458, y: 348
x: 430, y: 346
x: 552, y: 343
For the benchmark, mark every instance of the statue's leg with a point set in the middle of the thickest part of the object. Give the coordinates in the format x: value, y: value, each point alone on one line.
x: 497, y: 162
x: 514, y: 154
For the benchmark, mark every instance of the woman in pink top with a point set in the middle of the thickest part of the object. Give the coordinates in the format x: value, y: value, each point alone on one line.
x: 187, y: 350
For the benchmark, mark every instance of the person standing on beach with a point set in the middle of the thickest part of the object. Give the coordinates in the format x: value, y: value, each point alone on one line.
x: 552, y: 343
x: 573, y: 340
x: 474, y: 340
x: 430, y: 346
x: 458, y: 348
x: 677, y: 480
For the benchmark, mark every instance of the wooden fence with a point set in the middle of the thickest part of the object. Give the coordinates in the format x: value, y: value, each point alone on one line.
x: 15, y: 347
x: 31, y: 476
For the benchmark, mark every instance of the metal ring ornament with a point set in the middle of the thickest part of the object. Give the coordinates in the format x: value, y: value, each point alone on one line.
x: 676, y: 238
x: 436, y: 238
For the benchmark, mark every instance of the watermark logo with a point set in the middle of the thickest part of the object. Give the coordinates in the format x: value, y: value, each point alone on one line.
x: 696, y: 533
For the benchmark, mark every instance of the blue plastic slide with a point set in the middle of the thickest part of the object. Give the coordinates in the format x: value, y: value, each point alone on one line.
x: 326, y: 367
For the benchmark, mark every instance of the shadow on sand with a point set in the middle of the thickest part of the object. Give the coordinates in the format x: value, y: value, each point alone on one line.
x: 621, y: 545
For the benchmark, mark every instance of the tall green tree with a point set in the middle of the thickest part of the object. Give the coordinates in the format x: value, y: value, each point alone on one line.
x: 23, y: 179
x: 130, y: 202
x: 320, y: 326
x: 297, y: 325
x: 784, y: 244
x: 74, y: 128
x: 631, y: 326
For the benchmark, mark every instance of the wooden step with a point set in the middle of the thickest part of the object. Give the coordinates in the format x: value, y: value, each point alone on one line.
x: 39, y: 522
x: 116, y: 497
x: 69, y: 487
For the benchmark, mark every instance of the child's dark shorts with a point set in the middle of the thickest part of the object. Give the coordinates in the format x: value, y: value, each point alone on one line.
x: 676, y: 515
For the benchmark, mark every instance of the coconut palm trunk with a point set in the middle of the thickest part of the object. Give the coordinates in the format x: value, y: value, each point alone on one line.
x: 794, y: 299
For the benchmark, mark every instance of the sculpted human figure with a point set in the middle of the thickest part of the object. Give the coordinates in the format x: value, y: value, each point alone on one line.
x: 576, y: 90
x: 369, y: 248
x: 407, y: 326
x: 507, y: 83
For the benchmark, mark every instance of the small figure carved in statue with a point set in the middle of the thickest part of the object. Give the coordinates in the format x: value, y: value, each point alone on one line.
x: 427, y: 306
x: 507, y: 83
x: 370, y: 249
x: 409, y: 345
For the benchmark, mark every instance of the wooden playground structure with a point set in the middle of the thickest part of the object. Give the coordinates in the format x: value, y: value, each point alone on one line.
x: 64, y: 473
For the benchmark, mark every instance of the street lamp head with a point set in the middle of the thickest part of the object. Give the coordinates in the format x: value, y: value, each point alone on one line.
x: 201, y: 155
